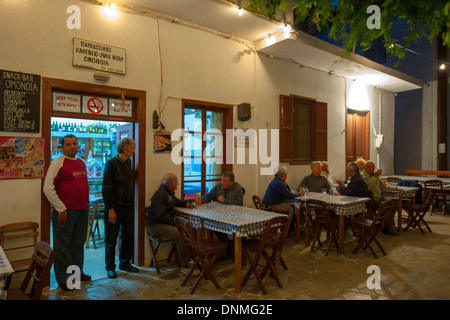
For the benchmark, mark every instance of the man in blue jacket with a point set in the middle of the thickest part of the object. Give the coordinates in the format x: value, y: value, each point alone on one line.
x: 278, y: 189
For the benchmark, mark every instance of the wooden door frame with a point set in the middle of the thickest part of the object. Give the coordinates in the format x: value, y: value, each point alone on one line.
x: 49, y: 85
x: 366, y: 133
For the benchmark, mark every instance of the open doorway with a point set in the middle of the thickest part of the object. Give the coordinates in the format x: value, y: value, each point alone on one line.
x: 98, y: 127
x: 357, y: 135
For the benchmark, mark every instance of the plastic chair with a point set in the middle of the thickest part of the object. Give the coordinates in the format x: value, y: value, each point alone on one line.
x: 323, y: 218
x: 274, y: 238
x: 203, y: 252
x: 98, y: 213
x: 155, y: 243
x: 367, y: 229
x: 17, y: 239
x: 39, y: 271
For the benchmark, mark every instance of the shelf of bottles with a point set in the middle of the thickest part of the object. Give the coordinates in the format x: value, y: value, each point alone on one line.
x: 100, y: 130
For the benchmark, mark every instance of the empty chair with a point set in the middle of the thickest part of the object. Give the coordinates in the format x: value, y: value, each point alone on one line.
x: 273, y: 238
x: 155, y: 243
x: 98, y: 213
x: 324, y: 218
x: 416, y: 212
x: 257, y: 202
x: 202, y: 251
x: 38, y: 273
x: 440, y: 194
x: 19, y: 240
x: 367, y: 228
x: 286, y: 209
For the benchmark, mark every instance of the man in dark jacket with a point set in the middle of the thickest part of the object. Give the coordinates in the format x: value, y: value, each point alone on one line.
x: 357, y: 186
x: 161, y: 215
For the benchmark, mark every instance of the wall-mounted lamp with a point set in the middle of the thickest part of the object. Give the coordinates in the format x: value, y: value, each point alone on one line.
x: 239, y: 10
x: 110, y: 10
x: 101, y: 76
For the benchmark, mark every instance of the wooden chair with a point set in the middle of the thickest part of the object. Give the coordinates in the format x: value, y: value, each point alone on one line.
x: 416, y: 212
x: 202, y: 251
x: 286, y: 209
x: 38, y: 272
x: 367, y: 228
x: 98, y: 213
x: 274, y: 238
x: 289, y: 211
x: 155, y: 243
x: 257, y: 202
x: 16, y: 240
x: 440, y: 194
x: 323, y: 218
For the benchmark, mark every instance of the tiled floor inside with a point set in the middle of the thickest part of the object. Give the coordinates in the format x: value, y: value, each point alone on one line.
x: 417, y: 266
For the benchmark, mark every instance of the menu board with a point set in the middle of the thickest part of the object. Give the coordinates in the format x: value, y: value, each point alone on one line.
x: 20, y: 95
x: 21, y: 158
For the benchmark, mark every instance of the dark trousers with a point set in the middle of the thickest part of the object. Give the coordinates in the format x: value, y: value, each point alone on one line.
x: 68, y: 242
x: 125, y: 225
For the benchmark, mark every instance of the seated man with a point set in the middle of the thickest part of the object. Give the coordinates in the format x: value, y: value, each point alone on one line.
x: 376, y: 187
x: 227, y: 191
x: 278, y: 189
x: 315, y: 182
x: 161, y: 215
x: 357, y: 186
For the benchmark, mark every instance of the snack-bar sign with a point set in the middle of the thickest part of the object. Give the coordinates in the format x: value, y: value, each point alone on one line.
x: 98, y: 56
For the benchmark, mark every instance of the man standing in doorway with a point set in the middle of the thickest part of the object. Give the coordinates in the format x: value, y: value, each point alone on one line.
x: 118, y: 196
x: 66, y: 188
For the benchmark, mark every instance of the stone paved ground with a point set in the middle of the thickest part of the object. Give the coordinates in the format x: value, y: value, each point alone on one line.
x: 417, y: 266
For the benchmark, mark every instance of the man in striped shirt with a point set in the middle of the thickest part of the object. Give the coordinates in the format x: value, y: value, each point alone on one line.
x: 66, y: 188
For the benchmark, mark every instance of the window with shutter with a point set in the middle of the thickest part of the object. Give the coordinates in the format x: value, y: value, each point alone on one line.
x: 303, y: 130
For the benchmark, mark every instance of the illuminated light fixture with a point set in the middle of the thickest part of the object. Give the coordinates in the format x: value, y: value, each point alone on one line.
x: 110, y: 10
x: 442, y: 66
x: 270, y: 40
x: 239, y: 10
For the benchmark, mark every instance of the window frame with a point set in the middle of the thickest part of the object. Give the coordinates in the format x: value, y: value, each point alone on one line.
x: 318, y: 129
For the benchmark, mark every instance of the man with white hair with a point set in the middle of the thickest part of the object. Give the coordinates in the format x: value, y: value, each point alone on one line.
x: 315, y: 182
x: 278, y: 189
x: 161, y: 215
x: 376, y: 187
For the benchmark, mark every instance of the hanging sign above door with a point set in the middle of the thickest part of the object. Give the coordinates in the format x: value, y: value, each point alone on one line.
x: 66, y: 102
x: 118, y: 107
x: 98, y: 56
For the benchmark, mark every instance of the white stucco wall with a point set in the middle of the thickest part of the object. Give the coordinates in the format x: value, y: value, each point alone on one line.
x: 196, y: 65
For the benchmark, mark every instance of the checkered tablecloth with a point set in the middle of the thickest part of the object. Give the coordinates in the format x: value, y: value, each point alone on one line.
x: 5, y: 271
x: 408, y: 192
x: 421, y: 180
x: 229, y: 219
x: 342, y: 205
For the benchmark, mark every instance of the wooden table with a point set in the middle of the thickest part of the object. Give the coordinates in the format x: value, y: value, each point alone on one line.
x: 230, y: 219
x: 343, y: 206
x: 5, y: 271
x: 399, y: 195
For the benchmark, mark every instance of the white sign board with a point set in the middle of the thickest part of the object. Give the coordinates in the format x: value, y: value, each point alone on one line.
x: 117, y: 108
x: 98, y: 56
x: 66, y: 102
x: 95, y: 105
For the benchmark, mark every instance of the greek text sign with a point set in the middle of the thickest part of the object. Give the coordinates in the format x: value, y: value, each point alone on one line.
x: 98, y: 56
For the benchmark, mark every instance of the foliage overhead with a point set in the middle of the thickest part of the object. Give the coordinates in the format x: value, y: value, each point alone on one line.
x: 346, y: 20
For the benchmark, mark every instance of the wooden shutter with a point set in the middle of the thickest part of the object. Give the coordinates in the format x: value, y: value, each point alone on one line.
x: 319, y: 135
x: 286, y: 128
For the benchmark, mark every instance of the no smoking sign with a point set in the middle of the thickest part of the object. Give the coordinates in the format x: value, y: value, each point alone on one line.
x: 94, y: 105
